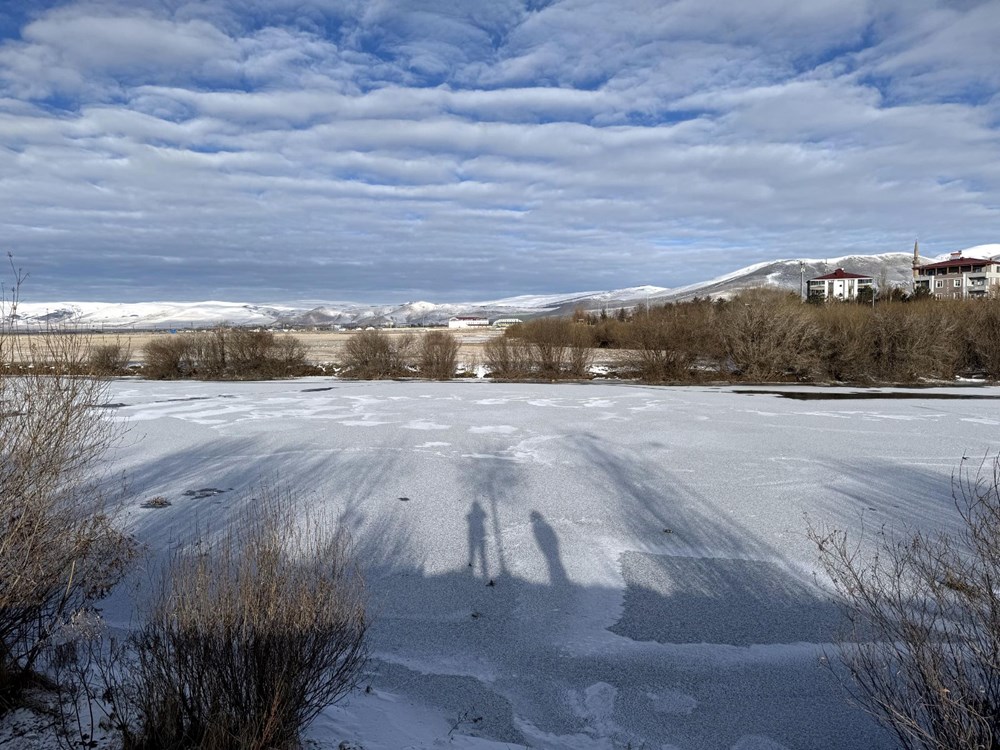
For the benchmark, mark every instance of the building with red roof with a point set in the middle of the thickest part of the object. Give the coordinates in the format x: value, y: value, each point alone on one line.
x: 840, y: 284
x: 958, y: 277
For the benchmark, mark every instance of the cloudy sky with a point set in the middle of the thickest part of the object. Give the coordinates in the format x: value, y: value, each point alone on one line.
x: 461, y: 149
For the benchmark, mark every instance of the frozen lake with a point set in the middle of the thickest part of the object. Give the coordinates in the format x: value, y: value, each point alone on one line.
x: 570, y: 565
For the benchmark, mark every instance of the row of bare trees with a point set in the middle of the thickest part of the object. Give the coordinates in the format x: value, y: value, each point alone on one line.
x: 769, y: 335
x: 225, y: 353
x: 545, y: 348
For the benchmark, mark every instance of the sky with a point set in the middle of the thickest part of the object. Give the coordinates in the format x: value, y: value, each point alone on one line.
x: 391, y: 150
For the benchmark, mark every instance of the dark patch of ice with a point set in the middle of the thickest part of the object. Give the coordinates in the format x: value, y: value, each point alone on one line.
x: 865, y: 395
x: 204, y: 492
x: 720, y: 600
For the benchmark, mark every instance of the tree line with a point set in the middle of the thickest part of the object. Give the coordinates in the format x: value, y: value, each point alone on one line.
x: 758, y: 335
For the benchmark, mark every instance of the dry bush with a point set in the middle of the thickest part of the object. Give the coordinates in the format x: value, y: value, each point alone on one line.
x: 768, y: 334
x: 549, y: 340
x: 289, y: 353
x: 508, y: 357
x: 438, y: 355
x: 61, y: 548
x: 251, y: 354
x: 108, y: 359
x: 982, y: 336
x: 209, y: 352
x: 581, y: 351
x: 607, y: 333
x: 844, y: 347
x: 373, y: 355
x: 251, y: 634
x: 667, y: 343
x: 225, y: 353
x: 169, y: 357
x: 912, y: 341
x: 923, y: 642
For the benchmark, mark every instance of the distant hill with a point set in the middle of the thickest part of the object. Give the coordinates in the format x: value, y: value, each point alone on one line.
x: 891, y: 268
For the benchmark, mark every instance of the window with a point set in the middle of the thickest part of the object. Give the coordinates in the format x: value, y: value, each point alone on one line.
x: 939, y: 284
x: 956, y: 283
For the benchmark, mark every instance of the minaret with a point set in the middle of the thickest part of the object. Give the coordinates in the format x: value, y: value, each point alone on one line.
x: 916, y: 257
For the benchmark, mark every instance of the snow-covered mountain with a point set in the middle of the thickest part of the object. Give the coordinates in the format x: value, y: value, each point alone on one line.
x: 891, y: 268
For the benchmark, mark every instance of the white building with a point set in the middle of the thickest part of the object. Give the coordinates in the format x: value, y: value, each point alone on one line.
x: 958, y: 277
x: 840, y: 284
x: 506, y: 322
x: 467, y: 321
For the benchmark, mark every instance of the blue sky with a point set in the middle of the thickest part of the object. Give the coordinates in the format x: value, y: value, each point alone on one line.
x: 399, y: 149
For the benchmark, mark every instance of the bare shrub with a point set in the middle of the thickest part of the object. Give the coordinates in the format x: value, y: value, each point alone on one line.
x: 373, y: 355
x: 225, y: 353
x: 249, y: 637
x: 549, y: 340
x: 209, y: 353
x: 249, y: 353
x: 666, y: 343
x: 983, y: 336
x: 581, y: 351
x: 108, y: 359
x: 923, y: 614
x: 438, y: 355
x: 60, y: 546
x: 169, y: 357
x: 768, y: 335
x: 507, y: 357
x: 844, y: 347
x: 912, y: 341
x: 289, y: 353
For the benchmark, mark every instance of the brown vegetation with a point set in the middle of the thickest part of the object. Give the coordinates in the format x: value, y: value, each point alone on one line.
x: 106, y: 360
x: 923, y: 617
x: 225, y: 353
x: 249, y: 637
x: 438, y: 355
x: 61, y: 548
x: 764, y: 335
x: 373, y: 355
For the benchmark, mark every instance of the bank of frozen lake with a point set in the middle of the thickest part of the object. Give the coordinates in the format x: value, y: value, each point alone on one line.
x: 652, y: 583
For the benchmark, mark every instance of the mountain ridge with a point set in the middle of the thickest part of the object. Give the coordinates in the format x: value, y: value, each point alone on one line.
x: 887, y: 268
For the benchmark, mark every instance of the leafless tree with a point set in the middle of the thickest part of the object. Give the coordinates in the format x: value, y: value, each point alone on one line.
x: 508, y: 357
x: 225, y: 353
x: 105, y: 360
x: 923, y: 612
x: 374, y: 355
x: 768, y: 334
x: 438, y: 355
x: 169, y: 357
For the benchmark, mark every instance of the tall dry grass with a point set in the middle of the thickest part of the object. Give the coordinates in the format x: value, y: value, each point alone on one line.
x: 251, y: 634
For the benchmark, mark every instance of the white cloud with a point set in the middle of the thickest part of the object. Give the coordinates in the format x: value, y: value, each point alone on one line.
x: 582, y: 145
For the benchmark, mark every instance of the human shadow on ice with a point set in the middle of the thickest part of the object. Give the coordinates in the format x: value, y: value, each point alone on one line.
x: 548, y: 543
x: 528, y: 654
x: 476, y: 519
x: 501, y: 653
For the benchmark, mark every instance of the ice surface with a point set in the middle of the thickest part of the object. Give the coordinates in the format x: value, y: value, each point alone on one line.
x: 651, y: 578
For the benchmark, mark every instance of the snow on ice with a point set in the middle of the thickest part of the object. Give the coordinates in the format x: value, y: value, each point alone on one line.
x: 576, y: 566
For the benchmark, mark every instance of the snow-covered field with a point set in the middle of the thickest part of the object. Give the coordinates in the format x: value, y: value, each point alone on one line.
x: 568, y: 566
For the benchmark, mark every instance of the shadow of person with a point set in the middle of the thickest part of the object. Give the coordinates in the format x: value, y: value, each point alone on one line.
x: 476, y: 519
x: 548, y: 543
